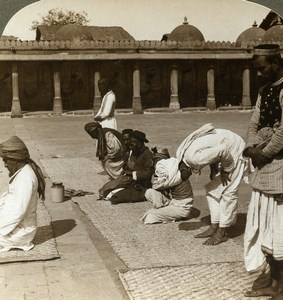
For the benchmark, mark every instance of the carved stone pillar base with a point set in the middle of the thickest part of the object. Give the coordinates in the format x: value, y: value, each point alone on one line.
x: 174, y: 102
x: 57, y: 106
x: 246, y: 101
x: 137, y: 107
x: 16, y: 109
x: 210, y: 103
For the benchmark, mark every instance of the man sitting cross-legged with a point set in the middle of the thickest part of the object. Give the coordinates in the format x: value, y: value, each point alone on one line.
x: 171, y: 194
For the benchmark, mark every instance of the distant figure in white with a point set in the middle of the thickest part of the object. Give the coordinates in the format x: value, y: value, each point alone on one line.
x: 18, y: 205
x: 106, y: 114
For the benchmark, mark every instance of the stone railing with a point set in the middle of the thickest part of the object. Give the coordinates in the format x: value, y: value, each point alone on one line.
x: 135, y: 45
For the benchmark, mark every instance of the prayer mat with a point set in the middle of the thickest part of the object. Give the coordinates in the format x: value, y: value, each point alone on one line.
x: 75, y: 173
x: 139, y: 245
x: 197, y: 282
x: 144, y: 246
x: 45, y: 245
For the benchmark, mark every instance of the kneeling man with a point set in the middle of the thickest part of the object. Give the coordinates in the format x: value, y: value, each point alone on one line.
x: 18, y: 218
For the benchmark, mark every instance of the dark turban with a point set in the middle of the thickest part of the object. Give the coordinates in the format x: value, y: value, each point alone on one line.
x: 140, y: 136
x: 127, y: 131
x: 101, y: 149
x: 15, y: 149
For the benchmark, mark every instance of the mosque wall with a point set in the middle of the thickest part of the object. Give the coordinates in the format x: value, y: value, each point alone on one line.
x: 36, y: 83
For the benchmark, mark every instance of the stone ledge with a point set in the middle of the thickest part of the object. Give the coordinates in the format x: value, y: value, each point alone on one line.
x: 161, y: 110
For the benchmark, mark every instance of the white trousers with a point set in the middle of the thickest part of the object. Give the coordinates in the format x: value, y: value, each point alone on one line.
x: 223, y: 200
x: 165, y: 210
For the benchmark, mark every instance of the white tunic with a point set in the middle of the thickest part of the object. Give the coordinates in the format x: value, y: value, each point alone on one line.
x: 224, y: 147
x: 18, y: 219
x: 106, y: 111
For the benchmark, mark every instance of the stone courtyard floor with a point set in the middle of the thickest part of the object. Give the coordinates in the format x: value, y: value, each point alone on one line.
x: 105, y: 251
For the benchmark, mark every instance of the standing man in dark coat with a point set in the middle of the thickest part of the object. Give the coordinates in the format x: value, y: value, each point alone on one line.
x: 263, y: 240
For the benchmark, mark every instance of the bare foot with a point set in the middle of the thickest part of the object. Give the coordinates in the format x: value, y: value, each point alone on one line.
x: 209, y: 232
x: 268, y: 291
x: 218, y: 237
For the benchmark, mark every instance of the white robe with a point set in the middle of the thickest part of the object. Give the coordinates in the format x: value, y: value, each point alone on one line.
x: 263, y: 233
x: 18, y: 218
x: 106, y: 111
x: 221, y: 146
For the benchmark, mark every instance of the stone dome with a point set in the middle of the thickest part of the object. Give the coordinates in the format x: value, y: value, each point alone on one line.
x: 274, y: 34
x: 73, y: 32
x: 185, y: 33
x: 253, y: 34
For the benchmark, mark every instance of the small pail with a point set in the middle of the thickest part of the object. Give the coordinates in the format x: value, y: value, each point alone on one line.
x: 57, y: 192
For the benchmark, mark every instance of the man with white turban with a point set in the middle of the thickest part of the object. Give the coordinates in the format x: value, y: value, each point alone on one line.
x: 18, y: 218
x: 171, y: 194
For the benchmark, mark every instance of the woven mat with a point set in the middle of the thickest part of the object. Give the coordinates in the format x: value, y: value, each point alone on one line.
x: 165, y: 260
x: 75, y: 173
x: 198, y: 282
x: 138, y: 245
x: 45, y: 245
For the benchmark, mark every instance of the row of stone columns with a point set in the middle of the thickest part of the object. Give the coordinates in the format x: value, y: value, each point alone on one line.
x: 210, y: 103
x: 136, y: 104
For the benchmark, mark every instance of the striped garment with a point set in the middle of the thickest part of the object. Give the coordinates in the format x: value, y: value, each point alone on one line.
x: 268, y: 179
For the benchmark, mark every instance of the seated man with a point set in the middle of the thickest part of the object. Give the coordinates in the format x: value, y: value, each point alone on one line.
x: 110, y: 148
x: 171, y: 195
x: 18, y: 219
x: 126, y: 135
x: 136, y: 177
x: 222, y: 149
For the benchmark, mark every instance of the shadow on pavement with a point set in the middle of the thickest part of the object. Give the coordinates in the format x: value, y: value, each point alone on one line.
x: 61, y: 227
x: 239, y: 228
x: 187, y: 226
x: 234, y: 231
x: 53, y: 230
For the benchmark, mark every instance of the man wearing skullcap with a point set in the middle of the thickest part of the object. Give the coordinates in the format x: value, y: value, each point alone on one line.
x: 263, y: 239
x: 171, y: 194
x: 220, y: 149
x: 136, y: 176
x: 18, y: 219
x: 105, y: 116
x: 110, y: 148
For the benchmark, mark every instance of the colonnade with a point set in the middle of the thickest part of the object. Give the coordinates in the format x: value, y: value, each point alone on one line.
x: 136, y: 98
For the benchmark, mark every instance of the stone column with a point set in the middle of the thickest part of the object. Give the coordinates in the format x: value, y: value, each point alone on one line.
x: 97, y: 94
x: 174, y: 98
x: 210, y: 103
x: 16, y: 105
x: 57, y: 105
x: 246, y: 100
x: 136, y: 106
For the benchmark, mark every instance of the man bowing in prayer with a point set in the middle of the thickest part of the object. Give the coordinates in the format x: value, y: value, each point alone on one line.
x: 220, y: 149
x: 18, y: 218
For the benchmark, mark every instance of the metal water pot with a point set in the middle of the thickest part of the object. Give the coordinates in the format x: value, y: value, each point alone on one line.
x: 57, y: 192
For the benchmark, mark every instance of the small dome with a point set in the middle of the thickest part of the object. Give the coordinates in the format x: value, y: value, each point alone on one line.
x: 73, y: 32
x: 274, y: 34
x: 253, y: 34
x: 185, y: 33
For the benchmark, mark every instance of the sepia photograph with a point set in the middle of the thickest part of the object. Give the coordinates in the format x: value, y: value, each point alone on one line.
x: 141, y: 147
